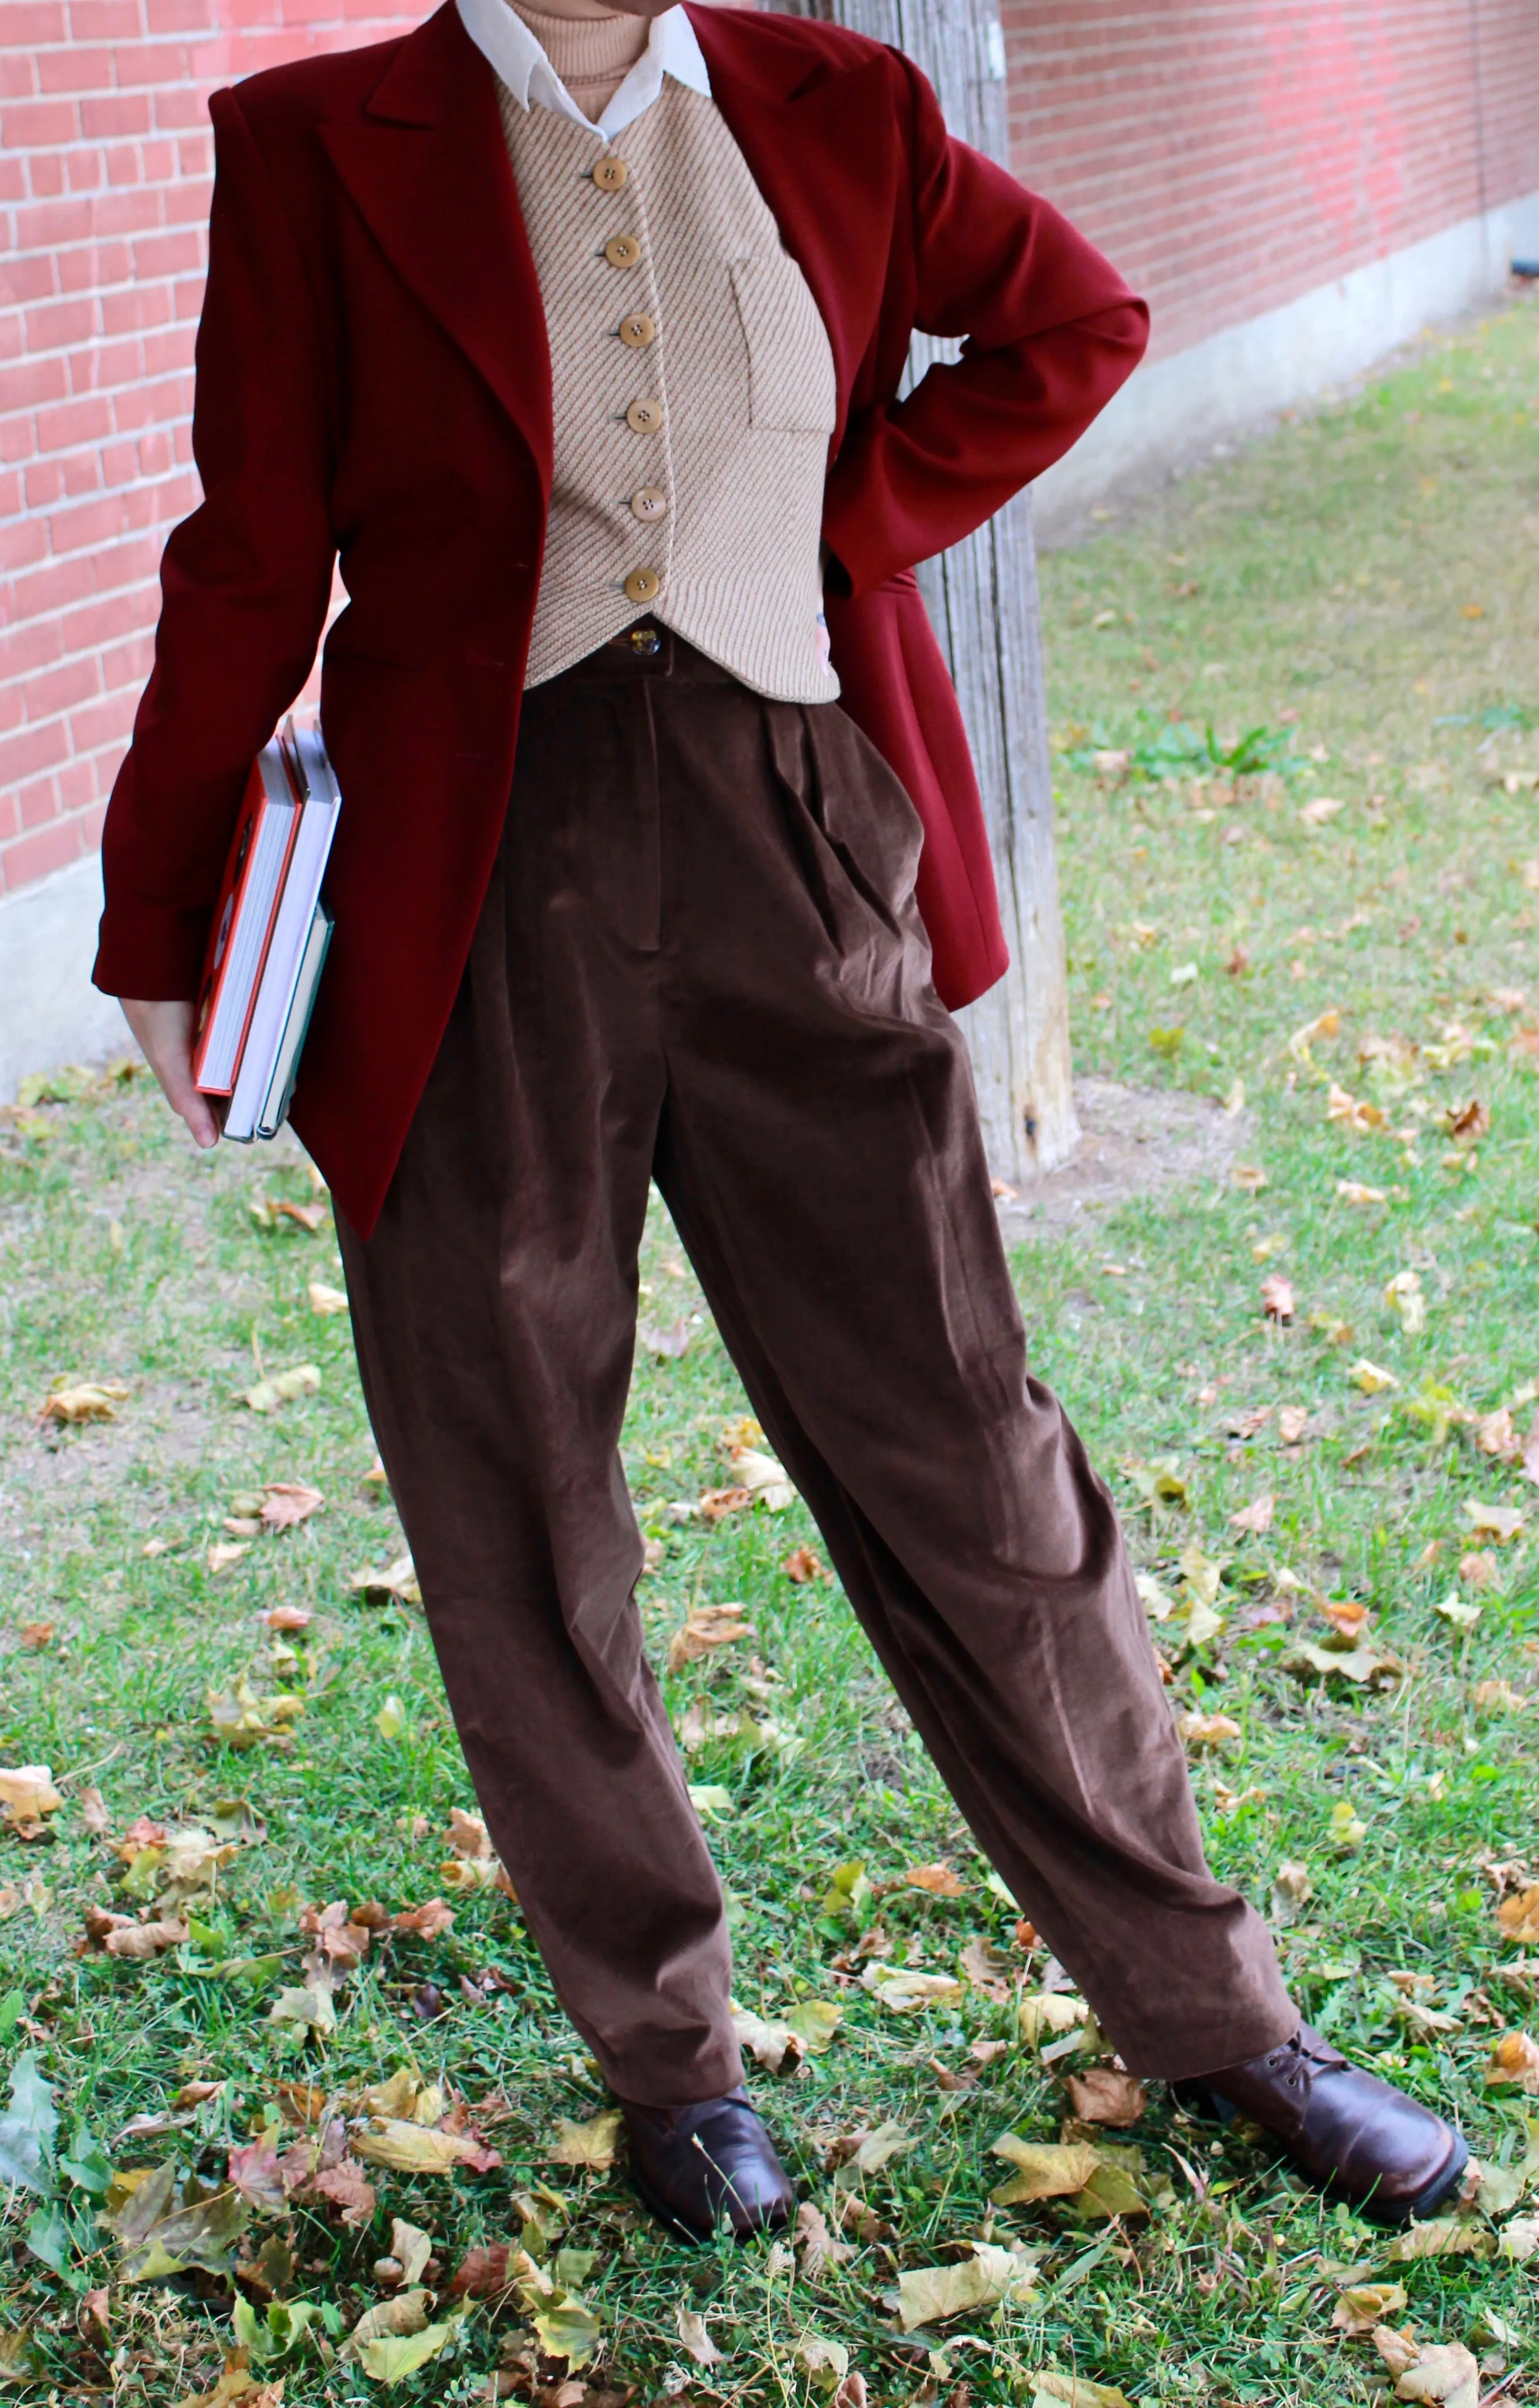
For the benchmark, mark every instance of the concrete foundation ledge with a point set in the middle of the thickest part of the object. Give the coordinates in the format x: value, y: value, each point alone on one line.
x: 1173, y: 411
x: 49, y: 1011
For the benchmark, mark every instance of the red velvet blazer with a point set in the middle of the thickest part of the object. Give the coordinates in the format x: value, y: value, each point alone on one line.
x: 373, y: 382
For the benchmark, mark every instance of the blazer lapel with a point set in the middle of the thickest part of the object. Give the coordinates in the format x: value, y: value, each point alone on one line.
x: 817, y: 153
x: 427, y: 168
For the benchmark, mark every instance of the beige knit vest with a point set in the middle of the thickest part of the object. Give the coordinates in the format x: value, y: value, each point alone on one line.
x: 694, y: 395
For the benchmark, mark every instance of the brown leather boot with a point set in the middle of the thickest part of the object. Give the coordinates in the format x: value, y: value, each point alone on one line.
x: 1358, y: 2136
x: 698, y: 2167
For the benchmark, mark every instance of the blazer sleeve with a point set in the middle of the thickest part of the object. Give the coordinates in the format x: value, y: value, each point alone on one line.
x: 245, y: 583
x: 1050, y: 332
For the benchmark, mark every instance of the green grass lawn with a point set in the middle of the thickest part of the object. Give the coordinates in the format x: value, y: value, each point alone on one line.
x: 1359, y: 1658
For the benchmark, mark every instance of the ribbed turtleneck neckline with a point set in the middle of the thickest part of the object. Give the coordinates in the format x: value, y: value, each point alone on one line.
x: 592, y: 55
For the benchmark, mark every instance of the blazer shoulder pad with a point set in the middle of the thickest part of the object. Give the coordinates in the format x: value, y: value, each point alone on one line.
x: 789, y: 49
x: 306, y: 92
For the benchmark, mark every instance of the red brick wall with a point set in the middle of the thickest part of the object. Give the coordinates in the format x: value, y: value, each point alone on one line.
x: 1229, y: 153
x: 105, y: 160
x: 1232, y: 155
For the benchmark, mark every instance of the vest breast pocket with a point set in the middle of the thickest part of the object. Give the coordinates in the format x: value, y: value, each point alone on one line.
x: 790, y: 361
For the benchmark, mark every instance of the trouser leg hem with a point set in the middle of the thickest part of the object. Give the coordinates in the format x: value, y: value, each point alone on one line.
x: 1191, y: 2056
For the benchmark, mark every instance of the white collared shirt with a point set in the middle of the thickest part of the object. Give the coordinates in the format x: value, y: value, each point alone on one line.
x: 521, y: 65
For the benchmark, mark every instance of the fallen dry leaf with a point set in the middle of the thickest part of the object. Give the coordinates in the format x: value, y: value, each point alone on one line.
x: 435, y: 1916
x: 1292, y: 1421
x: 1256, y: 1517
x: 708, y: 1627
x: 1322, y: 809
x: 816, y: 2242
x: 421, y: 2148
x: 1048, y: 2013
x: 37, y: 1635
x: 286, y: 1617
x: 27, y: 1795
x: 992, y: 1971
x: 324, y: 1299
x: 1277, y: 1298
x: 929, y: 2295
x: 120, y: 1935
x: 398, y: 1581
x: 1372, y: 1377
x: 1353, y: 1191
x: 1442, y: 2372
x: 287, y: 1502
x: 938, y: 1879
x: 1364, y: 2306
x: 85, y: 1400
x: 716, y: 1503
x: 225, y: 1552
x: 906, y: 1991
x: 1445, y: 2237
x: 1468, y: 1123
x: 693, y: 2334
x: 1044, y: 2168
x: 1503, y: 1523
x: 1207, y: 1730
x: 594, y: 2144
x: 1515, y: 2059
x: 1346, y: 1110
x: 801, y: 1564
x: 283, y: 1387
x: 1100, y: 2094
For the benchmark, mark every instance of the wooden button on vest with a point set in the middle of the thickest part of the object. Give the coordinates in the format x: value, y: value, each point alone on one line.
x: 622, y: 251
x: 638, y: 332
x: 644, y: 585
x: 609, y: 174
x: 649, y: 502
x: 644, y: 417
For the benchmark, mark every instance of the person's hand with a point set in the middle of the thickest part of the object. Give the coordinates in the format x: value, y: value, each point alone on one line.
x: 165, y: 1035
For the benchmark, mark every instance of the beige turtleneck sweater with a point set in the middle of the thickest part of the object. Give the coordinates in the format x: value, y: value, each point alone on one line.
x: 692, y: 379
x: 592, y: 55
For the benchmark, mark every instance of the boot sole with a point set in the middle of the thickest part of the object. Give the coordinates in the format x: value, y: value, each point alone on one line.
x: 1198, y: 2100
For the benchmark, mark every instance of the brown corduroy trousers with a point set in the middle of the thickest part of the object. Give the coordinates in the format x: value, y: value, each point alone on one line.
x: 700, y: 962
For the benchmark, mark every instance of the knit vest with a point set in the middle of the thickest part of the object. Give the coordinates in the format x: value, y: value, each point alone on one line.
x: 693, y: 382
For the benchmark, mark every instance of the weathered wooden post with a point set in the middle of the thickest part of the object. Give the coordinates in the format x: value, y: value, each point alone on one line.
x: 982, y: 598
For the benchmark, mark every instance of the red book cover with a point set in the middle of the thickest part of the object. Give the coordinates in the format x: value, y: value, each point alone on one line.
x: 252, y: 889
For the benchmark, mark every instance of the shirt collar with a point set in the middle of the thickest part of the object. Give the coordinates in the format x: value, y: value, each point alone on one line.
x: 519, y: 61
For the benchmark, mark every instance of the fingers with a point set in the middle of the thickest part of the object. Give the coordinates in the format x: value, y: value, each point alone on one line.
x: 165, y: 1034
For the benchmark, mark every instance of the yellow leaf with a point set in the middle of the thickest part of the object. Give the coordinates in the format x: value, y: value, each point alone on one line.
x: 392, y: 2360
x: 283, y: 1387
x: 906, y: 1992
x: 593, y: 2144
x: 88, y: 1400
x: 933, y: 2294
x: 390, y: 1722
x: 324, y: 1299
x: 1073, y: 2391
x: 814, y: 2022
x: 1044, y: 2169
x: 1445, y: 2238
x: 414, y: 2148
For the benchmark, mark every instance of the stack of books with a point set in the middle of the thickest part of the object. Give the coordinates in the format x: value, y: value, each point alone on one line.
x: 269, y: 938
